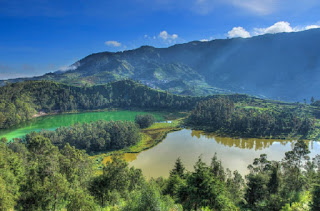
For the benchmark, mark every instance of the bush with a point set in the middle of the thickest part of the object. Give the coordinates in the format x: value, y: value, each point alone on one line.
x: 145, y: 121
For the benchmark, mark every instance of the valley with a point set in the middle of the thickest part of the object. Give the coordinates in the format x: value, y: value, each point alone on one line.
x: 94, y: 144
x: 196, y: 105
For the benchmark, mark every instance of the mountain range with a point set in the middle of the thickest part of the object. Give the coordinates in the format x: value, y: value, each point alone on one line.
x: 283, y: 66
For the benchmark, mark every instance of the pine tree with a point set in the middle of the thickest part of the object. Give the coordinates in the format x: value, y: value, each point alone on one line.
x: 178, y: 169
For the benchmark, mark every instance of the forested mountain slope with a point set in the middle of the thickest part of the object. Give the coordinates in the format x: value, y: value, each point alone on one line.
x: 282, y: 66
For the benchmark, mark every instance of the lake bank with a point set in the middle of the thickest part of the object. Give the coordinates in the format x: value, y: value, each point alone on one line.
x: 235, y: 154
x: 150, y: 138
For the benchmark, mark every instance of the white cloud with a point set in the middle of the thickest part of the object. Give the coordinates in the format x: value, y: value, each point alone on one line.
x: 312, y: 27
x: 174, y: 36
x: 166, y: 36
x: 113, y: 43
x: 278, y: 27
x: 71, y: 67
x: 238, y: 32
x: 163, y: 35
x: 282, y: 26
x: 207, y: 40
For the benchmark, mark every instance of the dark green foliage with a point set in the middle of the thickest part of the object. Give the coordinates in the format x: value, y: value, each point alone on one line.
x: 217, y: 169
x: 178, y: 169
x: 36, y: 175
x: 144, y: 121
x: 176, y: 179
x: 11, y: 176
x: 312, y: 100
x: 273, y: 185
x: 221, y: 114
x: 119, y: 183
x: 199, y: 189
x: 238, y: 115
x: 149, y: 198
x: 79, y: 199
x: 275, y: 179
x: 96, y: 136
x: 316, y: 103
x: 117, y: 179
x: 235, y: 185
x: 299, y: 153
x: 20, y: 101
x: 315, y: 204
x: 50, y: 177
x: 256, y: 189
x: 293, y: 163
x: 15, y: 108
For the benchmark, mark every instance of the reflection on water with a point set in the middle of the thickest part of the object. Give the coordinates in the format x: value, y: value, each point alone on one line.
x: 235, y: 154
x: 246, y: 143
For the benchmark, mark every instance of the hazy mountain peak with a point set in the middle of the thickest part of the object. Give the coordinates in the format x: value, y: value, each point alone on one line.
x: 281, y: 66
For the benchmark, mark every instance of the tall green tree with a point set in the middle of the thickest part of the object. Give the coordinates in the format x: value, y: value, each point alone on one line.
x: 204, y: 190
x: 293, y: 163
x: 12, y: 176
x: 117, y: 178
x: 144, y: 121
x: 315, y: 203
x: 178, y: 169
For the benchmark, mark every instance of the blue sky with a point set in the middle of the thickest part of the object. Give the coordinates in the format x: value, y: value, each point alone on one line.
x: 39, y: 36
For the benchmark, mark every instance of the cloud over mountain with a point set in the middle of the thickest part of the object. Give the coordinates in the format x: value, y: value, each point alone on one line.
x: 113, y: 43
x: 238, y: 32
x: 278, y: 27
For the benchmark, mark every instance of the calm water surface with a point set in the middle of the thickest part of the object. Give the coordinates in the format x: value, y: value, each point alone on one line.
x: 235, y: 154
x: 54, y: 121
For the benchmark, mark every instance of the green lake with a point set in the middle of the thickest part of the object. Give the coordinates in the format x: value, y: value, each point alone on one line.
x: 51, y: 122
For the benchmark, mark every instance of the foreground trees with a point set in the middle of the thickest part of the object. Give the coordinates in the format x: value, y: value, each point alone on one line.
x: 283, y: 185
x: 36, y: 175
x: 42, y: 177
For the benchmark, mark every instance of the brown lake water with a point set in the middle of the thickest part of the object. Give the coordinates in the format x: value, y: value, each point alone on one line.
x: 234, y: 153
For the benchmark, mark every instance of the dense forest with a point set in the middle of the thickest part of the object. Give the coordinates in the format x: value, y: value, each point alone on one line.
x: 99, y: 136
x: 223, y: 115
x: 36, y: 175
x: 236, y: 115
x: 21, y: 101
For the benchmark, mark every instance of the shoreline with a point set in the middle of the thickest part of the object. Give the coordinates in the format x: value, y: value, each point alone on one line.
x: 151, y: 137
x: 243, y: 136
